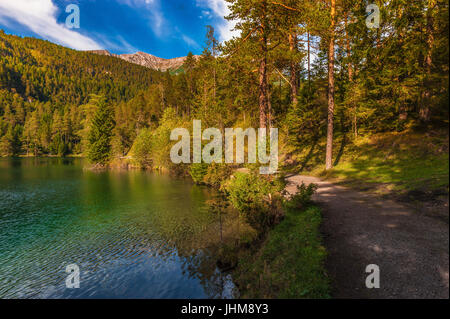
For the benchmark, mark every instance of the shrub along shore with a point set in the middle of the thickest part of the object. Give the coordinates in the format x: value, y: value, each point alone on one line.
x: 286, y: 257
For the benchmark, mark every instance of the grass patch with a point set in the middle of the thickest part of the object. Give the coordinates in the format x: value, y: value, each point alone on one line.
x: 403, y: 161
x: 290, y: 263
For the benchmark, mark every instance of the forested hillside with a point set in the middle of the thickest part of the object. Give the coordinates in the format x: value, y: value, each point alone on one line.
x: 311, y: 68
x: 44, y: 89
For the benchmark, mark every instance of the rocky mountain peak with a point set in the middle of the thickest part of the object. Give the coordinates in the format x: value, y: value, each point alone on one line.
x: 147, y: 60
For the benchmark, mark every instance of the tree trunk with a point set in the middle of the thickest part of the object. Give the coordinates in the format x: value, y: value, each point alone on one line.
x: 215, y: 66
x: 269, y: 103
x: 293, y: 80
x: 163, y: 98
x: 205, y: 97
x: 349, y: 64
x: 309, y: 63
x: 263, y: 71
x: 280, y: 91
x: 188, y: 106
x: 424, y: 112
x: 269, y: 115
x: 329, y: 155
x: 263, y: 92
x: 403, y: 111
x: 350, y: 78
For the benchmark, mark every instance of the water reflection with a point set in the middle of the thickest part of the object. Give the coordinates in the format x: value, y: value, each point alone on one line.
x: 133, y: 234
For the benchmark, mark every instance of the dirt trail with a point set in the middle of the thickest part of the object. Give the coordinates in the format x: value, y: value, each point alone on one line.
x: 411, y: 249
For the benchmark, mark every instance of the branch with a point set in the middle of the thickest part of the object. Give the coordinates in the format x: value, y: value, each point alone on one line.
x: 312, y: 46
x: 274, y: 46
x: 245, y: 39
x: 285, y: 6
x: 284, y: 78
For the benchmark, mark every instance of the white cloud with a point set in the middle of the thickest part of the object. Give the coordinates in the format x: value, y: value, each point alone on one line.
x: 219, y: 8
x: 40, y: 17
x: 189, y: 41
x: 116, y: 43
x: 134, y: 3
x: 156, y: 18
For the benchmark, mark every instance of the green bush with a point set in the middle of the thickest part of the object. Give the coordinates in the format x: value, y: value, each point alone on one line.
x: 161, y: 143
x: 257, y: 199
x: 142, y: 148
x: 217, y: 174
x: 151, y: 149
x: 198, y: 172
x: 247, y: 190
x: 210, y: 174
x: 302, y: 198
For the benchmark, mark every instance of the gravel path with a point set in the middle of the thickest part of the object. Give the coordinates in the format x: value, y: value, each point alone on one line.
x: 411, y: 249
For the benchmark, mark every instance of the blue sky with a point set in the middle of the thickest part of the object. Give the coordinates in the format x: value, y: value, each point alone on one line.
x: 165, y: 28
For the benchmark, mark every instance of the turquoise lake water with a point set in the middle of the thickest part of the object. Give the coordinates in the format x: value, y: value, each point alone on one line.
x: 133, y: 234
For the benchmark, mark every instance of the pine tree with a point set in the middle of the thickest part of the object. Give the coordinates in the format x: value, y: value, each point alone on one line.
x: 257, y: 29
x: 331, y: 88
x: 31, y: 133
x: 100, y: 135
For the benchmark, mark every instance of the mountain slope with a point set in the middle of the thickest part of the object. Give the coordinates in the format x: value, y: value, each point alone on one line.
x: 41, y: 71
x: 49, y: 95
